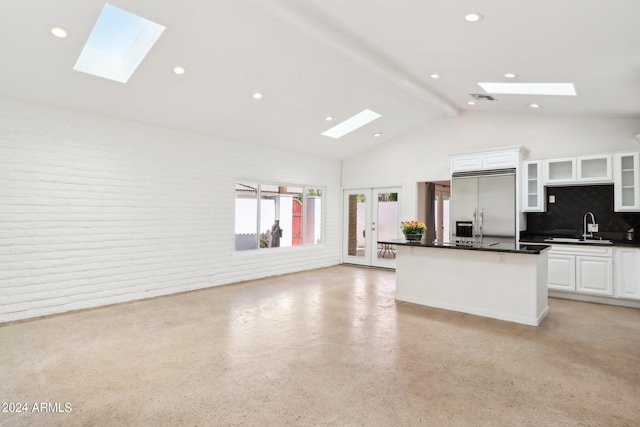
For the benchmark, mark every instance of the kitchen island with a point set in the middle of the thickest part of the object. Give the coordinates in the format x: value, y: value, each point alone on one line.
x: 502, y: 281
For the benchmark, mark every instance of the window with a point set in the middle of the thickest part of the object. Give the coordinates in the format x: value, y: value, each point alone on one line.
x: 246, y: 216
x: 286, y: 215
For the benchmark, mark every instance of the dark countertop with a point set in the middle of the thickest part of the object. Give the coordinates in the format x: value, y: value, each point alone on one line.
x: 541, y: 240
x: 534, y: 249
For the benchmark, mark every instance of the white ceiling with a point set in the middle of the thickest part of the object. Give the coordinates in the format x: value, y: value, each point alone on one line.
x: 313, y: 58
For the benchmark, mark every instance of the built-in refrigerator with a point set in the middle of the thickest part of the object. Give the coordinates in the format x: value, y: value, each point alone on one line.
x: 483, y: 207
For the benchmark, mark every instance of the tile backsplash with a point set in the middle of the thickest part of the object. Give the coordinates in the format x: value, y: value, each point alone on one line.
x: 565, y: 216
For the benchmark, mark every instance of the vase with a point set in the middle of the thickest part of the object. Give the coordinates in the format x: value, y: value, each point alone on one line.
x: 413, y: 237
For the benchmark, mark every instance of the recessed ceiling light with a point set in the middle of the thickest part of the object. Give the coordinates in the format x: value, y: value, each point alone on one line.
x: 473, y: 17
x: 118, y: 44
x: 351, y: 124
x: 179, y: 70
x: 534, y: 106
x: 257, y: 95
x: 59, y: 32
x: 435, y: 76
x: 328, y: 118
x: 377, y: 134
x: 511, y: 75
x: 471, y: 103
x: 562, y: 89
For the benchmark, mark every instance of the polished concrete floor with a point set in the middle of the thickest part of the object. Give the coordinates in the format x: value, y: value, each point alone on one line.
x: 323, y: 347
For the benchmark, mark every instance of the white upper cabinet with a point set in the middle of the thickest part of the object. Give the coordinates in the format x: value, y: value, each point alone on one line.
x: 532, y: 187
x: 594, y: 168
x: 626, y: 182
x: 495, y: 159
x: 579, y: 170
x: 560, y: 171
x: 466, y: 163
x: 500, y: 159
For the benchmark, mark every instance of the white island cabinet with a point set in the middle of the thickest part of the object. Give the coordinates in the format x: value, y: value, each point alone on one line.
x: 505, y: 285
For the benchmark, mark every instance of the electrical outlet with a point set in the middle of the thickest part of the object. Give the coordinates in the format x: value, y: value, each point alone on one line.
x: 592, y: 228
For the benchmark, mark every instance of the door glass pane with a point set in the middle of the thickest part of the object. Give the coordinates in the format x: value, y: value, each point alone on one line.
x: 356, y: 242
x: 387, y: 223
x: 441, y: 211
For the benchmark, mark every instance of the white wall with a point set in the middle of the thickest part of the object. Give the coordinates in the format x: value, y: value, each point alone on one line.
x: 424, y: 154
x: 96, y: 211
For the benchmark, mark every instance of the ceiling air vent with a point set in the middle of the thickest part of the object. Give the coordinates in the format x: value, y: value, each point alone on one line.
x: 482, y: 97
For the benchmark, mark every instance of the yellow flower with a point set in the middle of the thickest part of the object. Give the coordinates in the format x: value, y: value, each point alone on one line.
x: 413, y: 227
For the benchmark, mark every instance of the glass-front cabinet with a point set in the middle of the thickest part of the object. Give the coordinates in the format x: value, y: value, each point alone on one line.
x: 533, y: 187
x: 560, y: 171
x: 594, y: 168
x: 578, y: 170
x: 626, y: 182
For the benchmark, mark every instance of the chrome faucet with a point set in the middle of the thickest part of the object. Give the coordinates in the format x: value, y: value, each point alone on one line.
x: 586, y: 234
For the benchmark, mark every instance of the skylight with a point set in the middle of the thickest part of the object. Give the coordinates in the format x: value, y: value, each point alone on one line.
x: 562, y: 89
x: 117, y: 45
x: 349, y: 125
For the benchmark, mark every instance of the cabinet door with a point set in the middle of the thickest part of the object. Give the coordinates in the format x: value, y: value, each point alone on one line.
x: 532, y: 187
x: 594, y: 168
x: 561, y: 274
x: 497, y: 206
x: 626, y: 182
x: 499, y: 160
x: 466, y: 163
x: 463, y: 202
x: 627, y: 273
x: 560, y: 171
x: 594, y: 275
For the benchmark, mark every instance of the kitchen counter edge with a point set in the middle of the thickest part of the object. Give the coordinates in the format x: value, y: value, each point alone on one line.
x: 614, y: 243
x: 527, y: 249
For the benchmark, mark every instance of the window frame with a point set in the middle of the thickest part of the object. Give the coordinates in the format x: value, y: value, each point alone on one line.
x: 259, y: 190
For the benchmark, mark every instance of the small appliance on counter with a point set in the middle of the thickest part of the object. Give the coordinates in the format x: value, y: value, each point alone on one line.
x: 464, y: 228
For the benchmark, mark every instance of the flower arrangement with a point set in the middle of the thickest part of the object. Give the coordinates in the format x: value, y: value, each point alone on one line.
x: 413, y: 227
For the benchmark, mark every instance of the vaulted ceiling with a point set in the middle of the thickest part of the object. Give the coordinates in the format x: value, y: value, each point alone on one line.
x: 317, y: 58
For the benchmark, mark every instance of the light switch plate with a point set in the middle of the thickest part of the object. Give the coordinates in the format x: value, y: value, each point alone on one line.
x: 552, y: 198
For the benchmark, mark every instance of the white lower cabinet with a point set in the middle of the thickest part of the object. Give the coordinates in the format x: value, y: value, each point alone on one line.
x: 562, y: 272
x: 594, y: 275
x: 587, y: 270
x: 627, y: 272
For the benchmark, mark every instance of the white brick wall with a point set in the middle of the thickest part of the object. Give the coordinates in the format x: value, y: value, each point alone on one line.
x: 96, y: 211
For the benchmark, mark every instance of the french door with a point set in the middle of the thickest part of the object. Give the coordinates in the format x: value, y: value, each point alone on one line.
x: 370, y: 215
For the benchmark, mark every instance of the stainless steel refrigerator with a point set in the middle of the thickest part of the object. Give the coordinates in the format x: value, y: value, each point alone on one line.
x: 483, y: 207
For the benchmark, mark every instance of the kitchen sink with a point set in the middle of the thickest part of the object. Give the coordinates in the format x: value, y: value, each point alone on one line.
x: 577, y: 241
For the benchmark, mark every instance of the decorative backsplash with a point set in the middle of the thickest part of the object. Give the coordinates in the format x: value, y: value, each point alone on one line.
x: 565, y: 216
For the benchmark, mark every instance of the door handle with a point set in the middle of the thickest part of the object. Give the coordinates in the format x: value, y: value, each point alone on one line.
x: 474, y: 223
